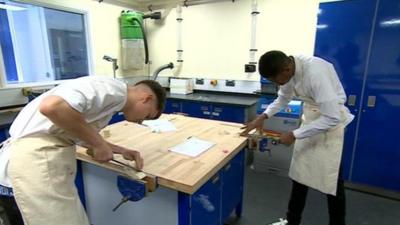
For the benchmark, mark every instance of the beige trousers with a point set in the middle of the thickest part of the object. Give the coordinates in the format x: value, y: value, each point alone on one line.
x: 42, y: 171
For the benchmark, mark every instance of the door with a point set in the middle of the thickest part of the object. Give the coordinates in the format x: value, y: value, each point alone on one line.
x: 377, y: 156
x: 343, y: 37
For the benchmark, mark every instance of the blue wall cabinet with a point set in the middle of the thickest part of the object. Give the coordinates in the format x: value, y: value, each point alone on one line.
x: 361, y: 38
x: 344, y: 42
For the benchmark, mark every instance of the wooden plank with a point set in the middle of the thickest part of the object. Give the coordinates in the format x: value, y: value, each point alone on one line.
x: 173, y: 170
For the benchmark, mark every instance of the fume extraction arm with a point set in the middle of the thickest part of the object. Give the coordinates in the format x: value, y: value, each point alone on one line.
x: 161, y: 68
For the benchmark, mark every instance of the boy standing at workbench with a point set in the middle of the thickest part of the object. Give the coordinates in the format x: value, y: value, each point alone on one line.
x: 39, y: 161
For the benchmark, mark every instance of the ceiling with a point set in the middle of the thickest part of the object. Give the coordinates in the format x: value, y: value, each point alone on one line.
x: 146, y: 5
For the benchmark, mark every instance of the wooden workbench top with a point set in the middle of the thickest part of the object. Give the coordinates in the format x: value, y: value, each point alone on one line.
x: 173, y: 170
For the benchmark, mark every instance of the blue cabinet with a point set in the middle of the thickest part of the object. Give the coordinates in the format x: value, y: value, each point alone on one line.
x: 4, y: 134
x: 117, y: 117
x: 217, y: 199
x: 207, y: 110
x: 365, y: 51
x: 377, y: 155
x: 197, y: 109
x: 173, y: 106
x: 344, y: 42
x: 206, y: 203
x: 232, y: 186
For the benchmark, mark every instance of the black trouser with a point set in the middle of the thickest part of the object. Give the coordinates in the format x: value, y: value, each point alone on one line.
x: 336, y: 204
x: 11, y: 211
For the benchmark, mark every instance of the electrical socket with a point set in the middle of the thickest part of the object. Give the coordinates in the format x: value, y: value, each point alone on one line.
x: 230, y: 83
x: 200, y: 81
x: 249, y: 68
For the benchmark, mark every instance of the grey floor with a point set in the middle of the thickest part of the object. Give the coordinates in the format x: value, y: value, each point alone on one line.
x: 266, y: 197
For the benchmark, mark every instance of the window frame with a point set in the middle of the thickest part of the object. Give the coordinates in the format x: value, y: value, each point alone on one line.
x: 86, y: 22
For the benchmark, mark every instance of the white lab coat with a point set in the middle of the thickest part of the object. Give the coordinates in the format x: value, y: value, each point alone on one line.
x: 319, y: 140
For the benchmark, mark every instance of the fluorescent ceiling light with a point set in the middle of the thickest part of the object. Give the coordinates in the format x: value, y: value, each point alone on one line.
x: 11, y: 7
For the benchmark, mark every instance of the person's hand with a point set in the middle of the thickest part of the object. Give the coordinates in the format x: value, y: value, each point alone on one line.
x: 256, y: 123
x: 133, y: 155
x: 287, y: 138
x: 102, y: 153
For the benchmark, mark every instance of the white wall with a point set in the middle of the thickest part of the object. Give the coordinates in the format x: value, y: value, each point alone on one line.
x: 216, y: 37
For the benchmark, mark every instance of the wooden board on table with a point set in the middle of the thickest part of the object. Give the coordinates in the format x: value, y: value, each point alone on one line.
x: 173, y: 170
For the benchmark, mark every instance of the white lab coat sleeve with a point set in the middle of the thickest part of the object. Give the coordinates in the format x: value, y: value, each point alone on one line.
x: 285, y: 95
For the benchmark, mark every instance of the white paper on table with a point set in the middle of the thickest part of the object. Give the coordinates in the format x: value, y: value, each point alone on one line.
x: 161, y: 125
x: 192, y: 147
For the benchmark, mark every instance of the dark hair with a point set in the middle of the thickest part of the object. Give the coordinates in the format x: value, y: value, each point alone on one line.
x: 158, y: 90
x: 272, y: 63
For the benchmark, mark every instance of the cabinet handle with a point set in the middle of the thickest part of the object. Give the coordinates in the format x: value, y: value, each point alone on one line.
x: 215, y: 114
x: 180, y: 113
x: 227, y: 167
x: 352, y: 100
x: 371, y: 101
x: 215, y: 179
x: 206, y: 113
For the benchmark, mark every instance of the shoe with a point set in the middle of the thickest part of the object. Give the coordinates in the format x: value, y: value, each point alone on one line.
x: 280, y: 222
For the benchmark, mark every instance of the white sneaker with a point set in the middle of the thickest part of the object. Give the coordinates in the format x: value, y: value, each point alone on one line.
x: 280, y: 222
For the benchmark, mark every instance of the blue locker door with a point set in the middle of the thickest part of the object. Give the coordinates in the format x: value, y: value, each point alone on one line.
x: 343, y: 36
x: 378, y: 146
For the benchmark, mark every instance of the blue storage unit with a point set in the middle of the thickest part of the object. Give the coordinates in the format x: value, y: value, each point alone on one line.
x: 208, y: 110
x: 214, y: 111
x: 293, y: 110
x: 117, y: 117
x: 214, y: 202
x: 211, y: 204
x: 232, y: 186
x: 344, y: 42
x: 365, y: 51
x: 4, y: 134
x: 173, y: 106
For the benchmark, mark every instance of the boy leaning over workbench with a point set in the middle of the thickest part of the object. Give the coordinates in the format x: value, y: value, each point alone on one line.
x: 40, y: 153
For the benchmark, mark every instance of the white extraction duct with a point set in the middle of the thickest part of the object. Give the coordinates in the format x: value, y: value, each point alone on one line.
x: 251, y: 67
x: 179, y: 48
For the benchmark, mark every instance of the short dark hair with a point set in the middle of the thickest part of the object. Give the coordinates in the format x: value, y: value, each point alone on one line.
x: 158, y: 90
x: 272, y: 63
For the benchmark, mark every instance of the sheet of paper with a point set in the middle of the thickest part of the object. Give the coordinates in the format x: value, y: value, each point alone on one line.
x: 161, y: 125
x: 192, y: 147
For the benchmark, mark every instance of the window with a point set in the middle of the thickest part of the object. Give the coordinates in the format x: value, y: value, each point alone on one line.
x: 40, y: 44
